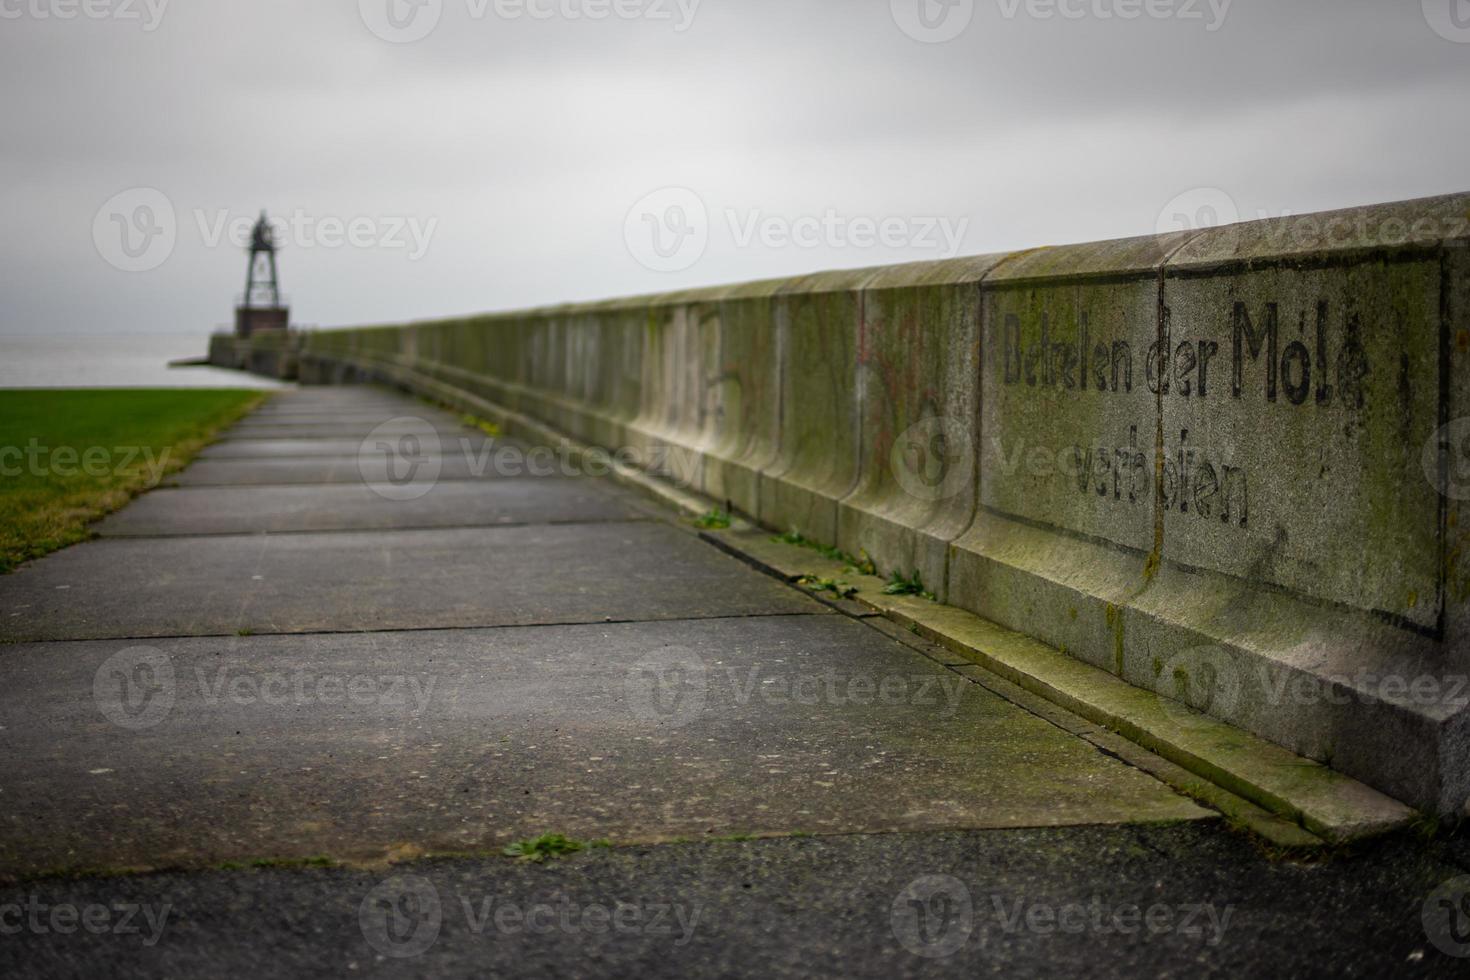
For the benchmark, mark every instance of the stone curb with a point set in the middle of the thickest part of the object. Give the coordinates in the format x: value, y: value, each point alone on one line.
x: 1306, y: 793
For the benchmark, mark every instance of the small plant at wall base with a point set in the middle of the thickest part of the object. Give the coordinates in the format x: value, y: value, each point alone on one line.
x: 861, y: 566
x: 484, y: 425
x: 714, y: 520
x: 840, y: 589
x: 898, y: 585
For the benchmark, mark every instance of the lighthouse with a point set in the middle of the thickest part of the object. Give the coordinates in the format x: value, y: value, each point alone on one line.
x: 261, y: 308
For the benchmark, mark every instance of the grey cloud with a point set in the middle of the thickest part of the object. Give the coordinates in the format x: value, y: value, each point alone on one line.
x: 528, y: 141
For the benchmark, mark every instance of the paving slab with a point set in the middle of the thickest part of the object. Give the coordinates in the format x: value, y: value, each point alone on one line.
x: 334, y: 398
x: 291, y: 415
x: 287, y: 408
x: 347, y: 416
x: 379, y: 580
x: 348, y: 507
x: 464, y: 443
x: 281, y: 410
x: 1053, y: 902
x: 305, y: 402
x: 337, y: 469
x: 204, y: 750
x: 388, y: 425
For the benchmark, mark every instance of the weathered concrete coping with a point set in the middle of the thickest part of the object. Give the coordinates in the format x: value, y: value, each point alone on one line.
x: 1420, y: 224
x: 1411, y: 226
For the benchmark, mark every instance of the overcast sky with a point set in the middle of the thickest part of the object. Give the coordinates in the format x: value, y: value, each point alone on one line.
x: 503, y: 159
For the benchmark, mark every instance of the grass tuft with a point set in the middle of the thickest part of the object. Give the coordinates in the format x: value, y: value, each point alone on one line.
x: 914, y: 585
x: 714, y: 520
x: 539, y: 849
x: 840, y: 589
x: 490, y: 429
x: 860, y: 565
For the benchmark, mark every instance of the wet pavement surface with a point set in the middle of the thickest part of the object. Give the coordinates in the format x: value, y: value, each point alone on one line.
x: 331, y: 644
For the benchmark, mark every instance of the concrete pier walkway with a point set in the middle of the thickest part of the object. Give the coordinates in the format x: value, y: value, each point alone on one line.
x: 354, y: 633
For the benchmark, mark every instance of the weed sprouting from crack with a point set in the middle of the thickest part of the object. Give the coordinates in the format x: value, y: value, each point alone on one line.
x: 913, y: 585
x: 860, y: 565
x: 714, y: 520
x: 840, y: 589
x: 539, y: 849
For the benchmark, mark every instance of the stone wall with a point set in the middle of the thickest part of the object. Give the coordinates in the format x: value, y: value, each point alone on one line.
x: 1230, y: 466
x: 273, y: 353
